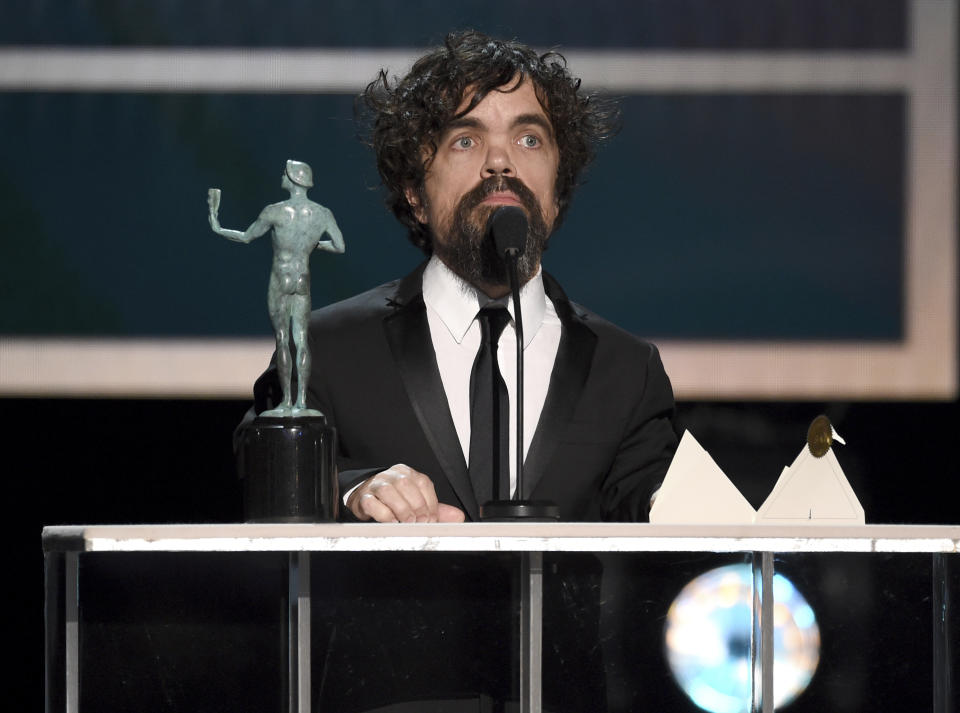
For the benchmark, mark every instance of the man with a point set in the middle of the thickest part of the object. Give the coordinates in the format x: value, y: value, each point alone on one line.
x: 475, y: 125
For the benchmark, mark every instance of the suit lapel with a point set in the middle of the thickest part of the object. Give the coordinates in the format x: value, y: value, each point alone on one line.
x: 408, y: 334
x: 567, y: 381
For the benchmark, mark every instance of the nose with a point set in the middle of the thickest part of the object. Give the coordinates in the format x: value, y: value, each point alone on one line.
x: 498, y: 162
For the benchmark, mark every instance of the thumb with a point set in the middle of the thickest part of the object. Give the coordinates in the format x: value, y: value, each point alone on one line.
x: 448, y: 513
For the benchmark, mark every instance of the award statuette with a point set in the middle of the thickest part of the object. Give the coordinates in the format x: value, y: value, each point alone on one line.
x: 287, y: 455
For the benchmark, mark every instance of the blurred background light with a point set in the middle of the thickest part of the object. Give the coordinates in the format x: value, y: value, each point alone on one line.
x: 707, y: 639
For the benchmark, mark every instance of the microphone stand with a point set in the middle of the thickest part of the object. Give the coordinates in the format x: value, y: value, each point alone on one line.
x: 517, y: 508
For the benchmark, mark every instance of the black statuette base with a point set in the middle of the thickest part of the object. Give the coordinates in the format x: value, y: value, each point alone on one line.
x: 289, y: 470
x: 512, y: 510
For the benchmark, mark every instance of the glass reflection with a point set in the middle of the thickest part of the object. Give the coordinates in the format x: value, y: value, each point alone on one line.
x: 707, y: 638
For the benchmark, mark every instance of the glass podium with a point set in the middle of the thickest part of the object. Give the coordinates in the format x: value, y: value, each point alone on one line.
x: 491, y: 617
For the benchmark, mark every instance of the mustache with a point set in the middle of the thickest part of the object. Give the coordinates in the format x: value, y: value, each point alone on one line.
x: 469, y: 249
x: 496, y: 184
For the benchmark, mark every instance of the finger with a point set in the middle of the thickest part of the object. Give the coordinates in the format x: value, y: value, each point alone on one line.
x: 449, y: 513
x: 425, y: 499
x: 417, y: 489
x: 388, y: 493
x: 368, y: 507
x: 430, y: 495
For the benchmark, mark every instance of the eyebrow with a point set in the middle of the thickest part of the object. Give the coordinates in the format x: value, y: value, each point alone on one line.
x: 536, y: 120
x: 469, y: 122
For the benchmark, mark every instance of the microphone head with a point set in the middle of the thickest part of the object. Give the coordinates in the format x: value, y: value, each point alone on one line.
x: 509, y: 227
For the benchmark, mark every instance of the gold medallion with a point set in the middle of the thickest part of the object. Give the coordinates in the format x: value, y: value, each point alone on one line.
x: 820, y: 436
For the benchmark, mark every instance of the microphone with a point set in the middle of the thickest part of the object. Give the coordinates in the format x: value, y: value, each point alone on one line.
x: 508, y: 226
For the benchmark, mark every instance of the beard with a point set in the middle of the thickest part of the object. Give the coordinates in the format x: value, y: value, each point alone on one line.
x: 468, y: 248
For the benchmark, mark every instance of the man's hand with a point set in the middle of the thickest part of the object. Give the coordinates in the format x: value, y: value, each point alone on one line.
x: 400, y: 494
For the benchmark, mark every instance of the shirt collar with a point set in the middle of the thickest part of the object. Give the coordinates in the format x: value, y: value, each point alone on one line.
x: 457, y: 302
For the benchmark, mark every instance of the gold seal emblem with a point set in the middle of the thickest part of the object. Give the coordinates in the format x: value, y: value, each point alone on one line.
x: 820, y: 436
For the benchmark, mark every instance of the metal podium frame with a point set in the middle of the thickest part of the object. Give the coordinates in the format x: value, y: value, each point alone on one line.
x: 64, y: 545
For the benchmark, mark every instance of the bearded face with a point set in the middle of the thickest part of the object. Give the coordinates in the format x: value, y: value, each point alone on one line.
x: 500, y: 152
x: 467, y: 246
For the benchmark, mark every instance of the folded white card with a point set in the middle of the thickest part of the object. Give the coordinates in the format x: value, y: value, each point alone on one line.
x: 696, y: 491
x: 812, y: 490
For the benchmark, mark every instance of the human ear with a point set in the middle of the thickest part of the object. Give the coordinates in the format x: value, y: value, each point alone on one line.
x: 416, y: 204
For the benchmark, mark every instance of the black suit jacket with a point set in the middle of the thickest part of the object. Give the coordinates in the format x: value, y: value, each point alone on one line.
x: 605, y: 436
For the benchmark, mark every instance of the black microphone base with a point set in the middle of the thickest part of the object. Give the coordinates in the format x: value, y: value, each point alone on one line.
x: 514, y: 510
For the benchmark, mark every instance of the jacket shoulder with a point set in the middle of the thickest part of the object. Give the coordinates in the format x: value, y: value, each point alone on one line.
x: 607, y: 331
x: 373, y: 304
x: 609, y: 335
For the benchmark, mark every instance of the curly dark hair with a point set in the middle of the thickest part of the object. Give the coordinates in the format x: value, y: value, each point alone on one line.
x: 408, y: 115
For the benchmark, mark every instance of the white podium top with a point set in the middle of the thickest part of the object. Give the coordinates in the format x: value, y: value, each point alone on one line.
x: 502, y: 537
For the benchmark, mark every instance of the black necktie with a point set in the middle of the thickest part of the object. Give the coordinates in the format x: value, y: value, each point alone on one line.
x: 489, y: 412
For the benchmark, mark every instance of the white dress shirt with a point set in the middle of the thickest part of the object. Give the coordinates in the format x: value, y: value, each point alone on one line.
x: 452, y: 307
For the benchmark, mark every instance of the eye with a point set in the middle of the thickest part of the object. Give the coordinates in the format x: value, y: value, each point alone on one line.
x: 530, y: 141
x: 463, y: 143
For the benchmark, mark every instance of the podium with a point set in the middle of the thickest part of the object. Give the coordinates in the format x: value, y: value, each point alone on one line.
x: 476, y: 616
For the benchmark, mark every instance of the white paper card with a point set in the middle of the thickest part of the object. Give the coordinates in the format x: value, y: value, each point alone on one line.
x: 696, y: 492
x: 812, y: 490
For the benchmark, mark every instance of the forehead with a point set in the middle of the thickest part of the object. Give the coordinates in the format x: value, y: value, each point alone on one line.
x: 509, y: 100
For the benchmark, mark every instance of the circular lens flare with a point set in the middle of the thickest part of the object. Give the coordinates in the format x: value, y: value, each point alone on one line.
x: 708, y: 632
